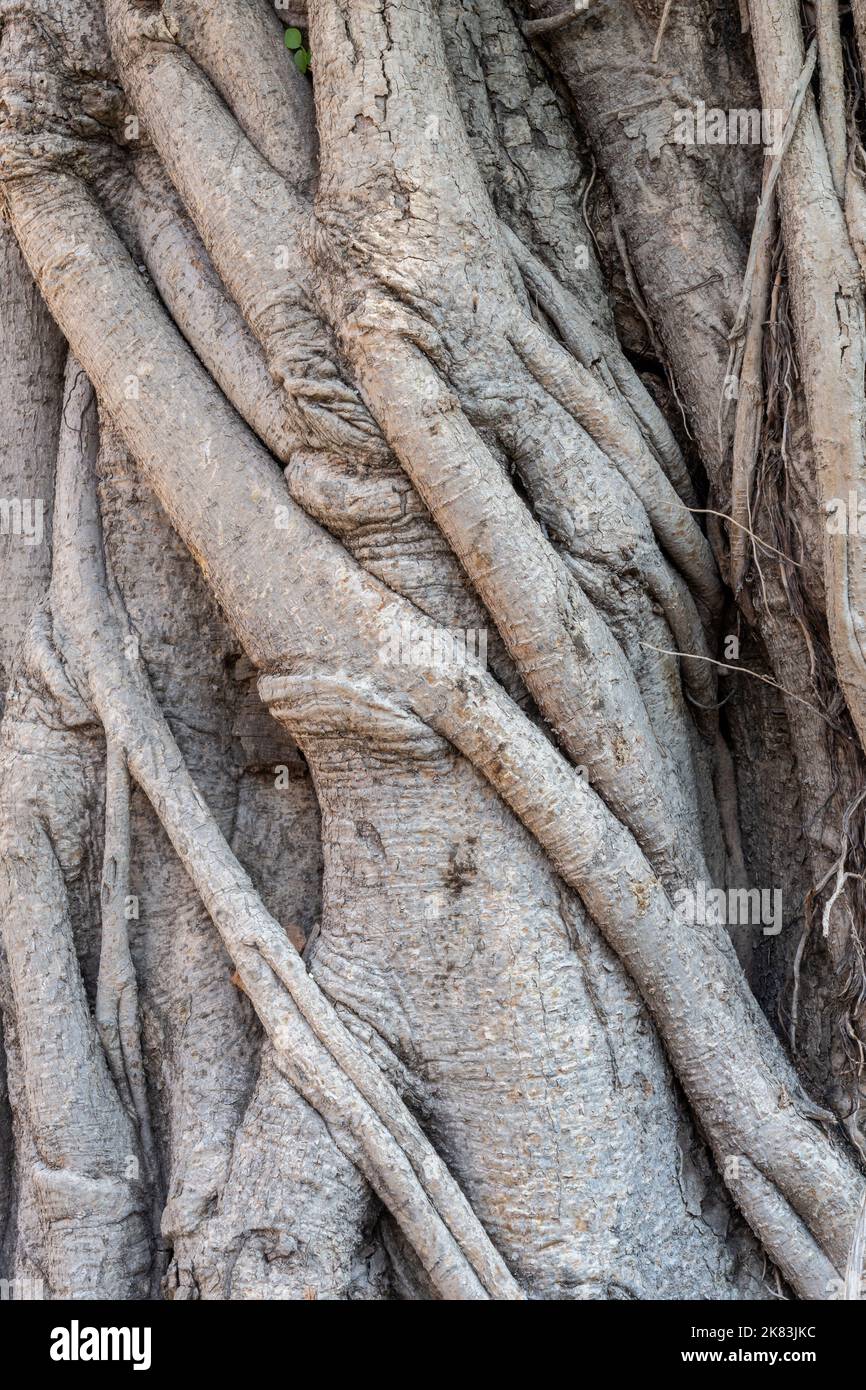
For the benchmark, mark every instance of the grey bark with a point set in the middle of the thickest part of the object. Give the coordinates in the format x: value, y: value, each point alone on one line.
x: 686, y: 212
x: 471, y: 1093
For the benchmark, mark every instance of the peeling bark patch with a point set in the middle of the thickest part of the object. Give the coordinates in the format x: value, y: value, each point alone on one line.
x: 367, y: 832
x: 462, y: 866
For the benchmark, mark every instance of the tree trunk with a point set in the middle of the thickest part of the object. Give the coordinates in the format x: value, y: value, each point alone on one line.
x: 431, y: 766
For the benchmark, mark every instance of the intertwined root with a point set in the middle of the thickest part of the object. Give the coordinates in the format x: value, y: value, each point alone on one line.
x: 419, y: 283
x: 413, y: 282
x: 416, y: 298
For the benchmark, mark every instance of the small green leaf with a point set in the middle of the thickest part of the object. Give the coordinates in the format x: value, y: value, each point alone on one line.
x: 302, y: 60
x: 294, y: 38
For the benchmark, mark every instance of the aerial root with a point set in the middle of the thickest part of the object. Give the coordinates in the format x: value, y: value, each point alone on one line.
x: 117, y: 1017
